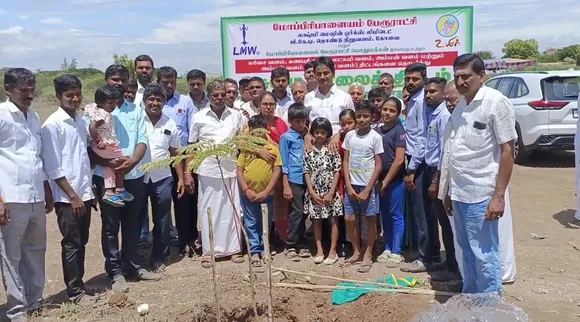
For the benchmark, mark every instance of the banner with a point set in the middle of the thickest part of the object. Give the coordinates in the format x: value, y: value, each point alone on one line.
x: 363, y: 45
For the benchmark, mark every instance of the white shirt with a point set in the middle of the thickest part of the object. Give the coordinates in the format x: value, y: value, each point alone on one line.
x: 21, y: 173
x: 362, y: 151
x: 64, y: 152
x: 329, y: 105
x: 139, y: 94
x: 162, y: 136
x: 472, y: 153
x: 207, y: 127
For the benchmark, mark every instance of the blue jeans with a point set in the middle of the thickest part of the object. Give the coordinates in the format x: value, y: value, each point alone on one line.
x: 479, y: 242
x: 253, y: 221
x: 392, y: 207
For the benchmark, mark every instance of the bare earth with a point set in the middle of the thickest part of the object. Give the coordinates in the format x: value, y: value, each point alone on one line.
x: 547, y: 287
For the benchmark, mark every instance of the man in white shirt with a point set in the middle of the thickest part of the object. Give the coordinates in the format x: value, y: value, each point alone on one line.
x: 279, y: 78
x: 327, y: 100
x: 217, y: 124
x: 478, y: 163
x: 25, y: 197
x: 144, y: 68
x: 66, y: 162
x: 163, y: 143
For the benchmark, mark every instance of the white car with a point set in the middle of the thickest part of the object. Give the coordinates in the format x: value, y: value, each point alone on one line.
x: 546, y: 108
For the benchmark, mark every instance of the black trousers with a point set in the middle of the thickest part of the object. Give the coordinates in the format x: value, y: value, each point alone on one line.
x: 127, y: 219
x: 296, y: 219
x: 75, y: 235
x: 425, y: 221
x: 437, y: 211
x: 185, y: 210
x: 160, y: 195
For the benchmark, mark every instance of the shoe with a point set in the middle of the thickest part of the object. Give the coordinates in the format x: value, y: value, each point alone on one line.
x: 416, y: 266
x: 159, y: 267
x: 126, y: 196
x: 318, y: 259
x: 119, y: 284
x: 85, y: 299
x: 113, y: 200
x: 445, y: 276
x: 330, y: 261
x: 384, y: 257
x: 144, y: 275
x: 394, y: 261
x: 20, y: 318
x: 291, y: 254
x: 304, y: 253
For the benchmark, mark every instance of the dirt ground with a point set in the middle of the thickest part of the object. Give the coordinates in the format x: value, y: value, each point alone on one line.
x: 547, y: 287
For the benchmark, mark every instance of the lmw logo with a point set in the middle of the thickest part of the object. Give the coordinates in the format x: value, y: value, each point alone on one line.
x: 245, y: 51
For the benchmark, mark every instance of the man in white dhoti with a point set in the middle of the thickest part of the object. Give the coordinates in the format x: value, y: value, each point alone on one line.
x: 217, y: 184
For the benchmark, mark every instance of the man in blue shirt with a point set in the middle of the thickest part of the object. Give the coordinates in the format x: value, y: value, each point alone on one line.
x: 180, y: 108
x: 132, y: 137
x: 436, y: 117
x: 415, y: 76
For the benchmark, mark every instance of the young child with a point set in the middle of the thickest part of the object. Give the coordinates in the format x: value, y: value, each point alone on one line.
x: 322, y: 199
x: 131, y: 91
x: 392, y: 199
x: 377, y: 97
x: 347, y: 120
x: 292, y: 152
x: 105, y: 144
x: 362, y: 166
x: 257, y: 179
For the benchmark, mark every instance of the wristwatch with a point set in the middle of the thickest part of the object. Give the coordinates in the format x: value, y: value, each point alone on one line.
x: 410, y: 171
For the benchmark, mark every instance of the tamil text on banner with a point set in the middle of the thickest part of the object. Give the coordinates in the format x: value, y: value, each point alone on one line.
x: 363, y: 45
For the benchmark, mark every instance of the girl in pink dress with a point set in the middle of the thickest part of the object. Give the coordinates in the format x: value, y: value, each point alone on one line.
x: 105, y: 143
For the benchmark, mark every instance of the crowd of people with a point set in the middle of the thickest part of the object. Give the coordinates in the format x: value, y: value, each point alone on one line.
x: 344, y: 161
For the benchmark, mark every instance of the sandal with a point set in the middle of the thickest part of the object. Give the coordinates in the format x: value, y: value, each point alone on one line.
x: 255, y: 261
x: 304, y: 253
x: 238, y: 259
x: 351, y: 261
x: 206, y: 262
x: 364, y: 268
x: 292, y: 255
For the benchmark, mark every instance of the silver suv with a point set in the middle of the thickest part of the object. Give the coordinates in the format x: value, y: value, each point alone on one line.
x: 546, y: 108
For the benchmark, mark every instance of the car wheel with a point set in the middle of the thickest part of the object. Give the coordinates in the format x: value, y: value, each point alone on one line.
x: 521, y: 154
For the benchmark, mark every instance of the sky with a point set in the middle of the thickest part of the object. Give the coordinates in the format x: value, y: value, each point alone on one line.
x: 38, y: 34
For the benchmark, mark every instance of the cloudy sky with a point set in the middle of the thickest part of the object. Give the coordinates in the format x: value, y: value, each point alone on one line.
x: 185, y: 33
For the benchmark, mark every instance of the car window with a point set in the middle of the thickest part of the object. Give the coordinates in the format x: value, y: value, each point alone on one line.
x: 492, y: 82
x: 505, y: 85
x: 561, y: 88
x: 519, y: 89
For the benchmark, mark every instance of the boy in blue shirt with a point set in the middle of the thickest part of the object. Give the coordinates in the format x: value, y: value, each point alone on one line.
x: 292, y: 152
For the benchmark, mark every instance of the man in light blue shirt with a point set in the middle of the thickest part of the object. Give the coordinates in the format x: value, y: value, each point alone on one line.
x: 132, y: 136
x: 181, y: 108
x: 436, y: 117
x: 415, y: 76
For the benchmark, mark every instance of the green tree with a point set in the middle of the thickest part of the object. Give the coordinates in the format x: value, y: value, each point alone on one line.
x: 64, y: 65
x: 485, y: 54
x: 125, y: 60
x: 572, y: 51
x: 521, y: 49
